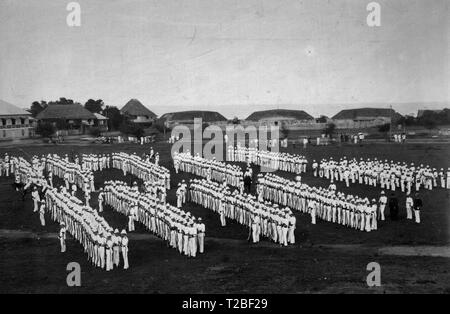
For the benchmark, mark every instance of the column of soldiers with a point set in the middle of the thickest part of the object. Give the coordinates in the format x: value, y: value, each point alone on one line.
x: 73, y: 174
x: 102, y: 243
x: 141, y: 168
x: 347, y: 210
x: 210, y: 169
x: 388, y: 175
x: 262, y: 218
x: 178, y: 228
x: 93, y: 162
x: 272, y: 160
x: 26, y: 172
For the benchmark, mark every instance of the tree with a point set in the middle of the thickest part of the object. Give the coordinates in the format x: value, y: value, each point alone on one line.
x: 235, y: 120
x: 284, y: 131
x: 95, y: 132
x: 64, y: 101
x: 329, y: 129
x: 407, y: 120
x: 45, y: 129
x: 161, y: 125
x: 429, y: 123
x: 37, y: 106
x: 94, y: 106
x: 115, y: 118
x: 384, y: 128
x: 322, y: 119
x: 132, y: 129
x: 61, y: 101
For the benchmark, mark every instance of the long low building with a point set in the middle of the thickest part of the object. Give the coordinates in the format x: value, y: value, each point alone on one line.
x: 365, y: 117
x: 15, y: 123
x: 187, y: 118
x: 280, y: 117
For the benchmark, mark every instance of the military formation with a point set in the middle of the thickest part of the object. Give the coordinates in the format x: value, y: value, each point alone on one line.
x: 94, y: 162
x: 141, y: 168
x: 219, y: 188
x: 101, y: 243
x: 210, y: 169
x: 263, y: 218
x: 73, y: 174
x: 268, y: 159
x: 321, y: 203
x: 386, y: 174
x: 178, y: 228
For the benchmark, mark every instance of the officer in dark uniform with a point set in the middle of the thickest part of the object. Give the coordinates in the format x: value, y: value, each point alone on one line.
x: 417, y: 203
x: 247, y: 182
x: 393, y: 207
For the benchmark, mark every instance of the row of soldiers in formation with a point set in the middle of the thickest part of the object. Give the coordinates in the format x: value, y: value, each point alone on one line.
x: 210, y: 169
x: 74, y: 174
x: 142, y: 168
x: 180, y: 229
x: 326, y: 204
x: 388, y: 175
x: 94, y: 162
x: 320, y: 203
x: 263, y: 218
x: 102, y: 244
x: 268, y: 159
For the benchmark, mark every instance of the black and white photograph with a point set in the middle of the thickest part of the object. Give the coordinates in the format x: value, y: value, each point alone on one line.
x: 224, y: 151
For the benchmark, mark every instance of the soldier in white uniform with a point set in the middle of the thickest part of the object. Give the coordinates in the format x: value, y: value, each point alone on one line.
x: 448, y: 178
x: 109, y: 253
x: 42, y: 214
x: 132, y: 217
x: 62, y: 237
x: 36, y: 199
x: 117, y: 242
x: 223, y: 222
x: 125, y: 249
x: 101, y: 198
x: 200, y: 235
x: 383, y: 202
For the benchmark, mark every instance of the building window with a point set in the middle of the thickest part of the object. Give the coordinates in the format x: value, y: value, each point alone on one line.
x: 23, y: 132
x: 4, y: 133
x: 13, y: 121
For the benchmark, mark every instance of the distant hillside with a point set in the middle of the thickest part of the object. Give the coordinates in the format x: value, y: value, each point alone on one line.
x: 207, y: 116
x: 295, y: 114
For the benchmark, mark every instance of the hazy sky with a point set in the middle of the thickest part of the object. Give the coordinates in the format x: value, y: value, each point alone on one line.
x: 233, y: 56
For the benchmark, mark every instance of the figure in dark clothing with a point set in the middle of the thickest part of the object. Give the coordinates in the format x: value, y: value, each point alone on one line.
x: 247, y: 183
x: 393, y: 207
x: 417, y: 203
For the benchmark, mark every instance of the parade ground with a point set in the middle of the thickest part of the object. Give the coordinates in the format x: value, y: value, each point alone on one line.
x: 327, y: 257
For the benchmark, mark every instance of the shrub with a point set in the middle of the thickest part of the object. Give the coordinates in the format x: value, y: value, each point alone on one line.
x: 95, y: 132
x: 45, y: 129
x: 384, y: 128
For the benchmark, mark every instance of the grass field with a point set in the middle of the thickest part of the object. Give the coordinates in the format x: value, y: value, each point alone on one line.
x: 326, y: 258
